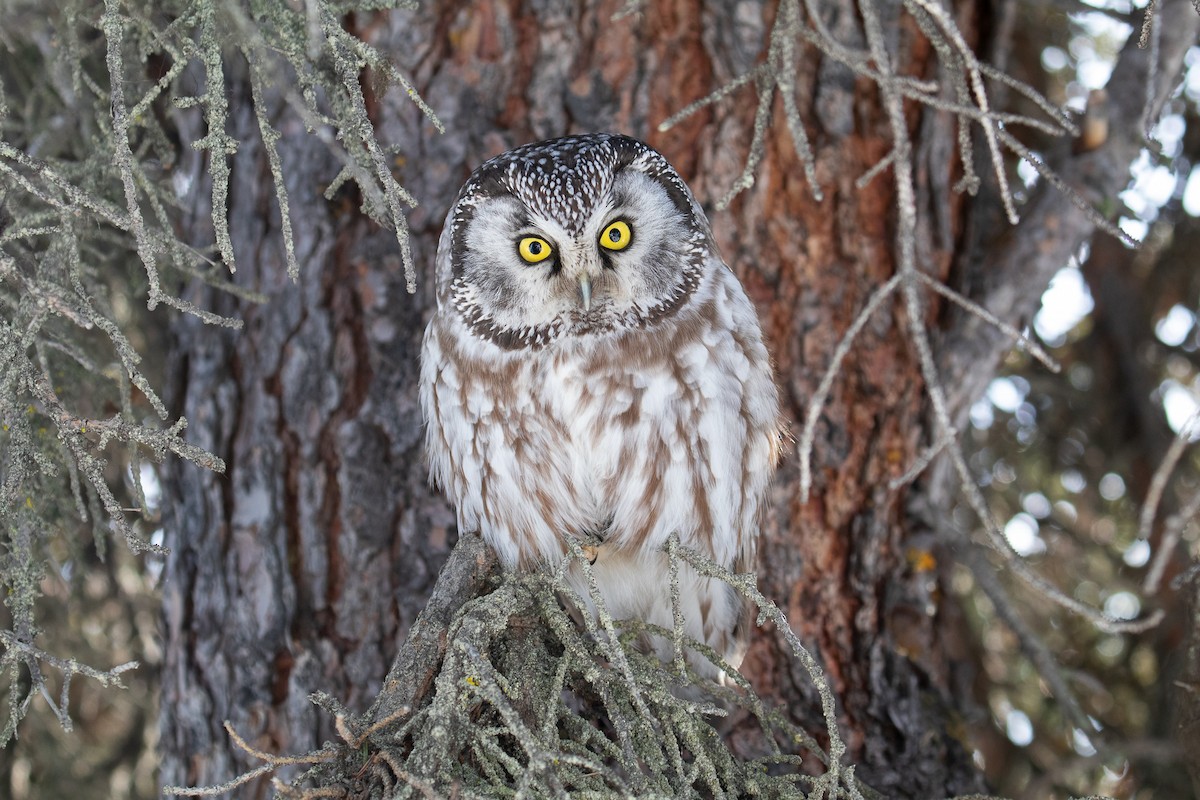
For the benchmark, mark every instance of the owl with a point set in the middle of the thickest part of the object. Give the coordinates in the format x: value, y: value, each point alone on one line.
x: 594, y: 371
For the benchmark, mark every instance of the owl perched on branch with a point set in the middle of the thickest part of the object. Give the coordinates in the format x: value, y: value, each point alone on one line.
x: 595, y: 371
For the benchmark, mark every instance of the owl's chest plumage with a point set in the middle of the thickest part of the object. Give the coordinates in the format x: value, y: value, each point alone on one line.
x: 621, y: 440
x: 630, y: 444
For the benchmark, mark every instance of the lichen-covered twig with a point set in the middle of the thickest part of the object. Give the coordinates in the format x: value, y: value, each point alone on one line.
x: 16, y: 649
x: 966, y: 73
x: 529, y: 701
x: 812, y: 413
x: 908, y: 271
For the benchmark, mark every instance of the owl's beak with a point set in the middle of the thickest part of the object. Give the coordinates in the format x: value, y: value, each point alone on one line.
x: 585, y: 292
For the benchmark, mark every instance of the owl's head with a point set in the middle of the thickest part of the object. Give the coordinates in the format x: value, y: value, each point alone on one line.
x: 571, y: 237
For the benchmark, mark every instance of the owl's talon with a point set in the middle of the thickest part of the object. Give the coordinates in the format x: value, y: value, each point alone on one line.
x: 591, y: 553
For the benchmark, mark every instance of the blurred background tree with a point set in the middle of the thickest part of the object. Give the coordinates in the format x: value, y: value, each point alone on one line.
x: 1071, y: 460
x: 302, y: 565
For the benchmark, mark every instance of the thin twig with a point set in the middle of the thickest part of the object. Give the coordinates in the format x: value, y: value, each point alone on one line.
x: 906, y: 247
x: 1033, y: 348
x: 924, y: 460
x: 1172, y: 533
x: 1158, y: 484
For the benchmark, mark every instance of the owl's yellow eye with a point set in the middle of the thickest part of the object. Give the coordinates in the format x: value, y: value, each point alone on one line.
x: 616, y: 236
x: 534, y: 249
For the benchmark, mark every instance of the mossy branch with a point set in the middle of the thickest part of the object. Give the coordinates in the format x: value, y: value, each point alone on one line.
x: 519, y: 693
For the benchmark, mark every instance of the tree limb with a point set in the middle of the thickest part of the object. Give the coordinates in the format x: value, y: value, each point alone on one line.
x: 467, y: 574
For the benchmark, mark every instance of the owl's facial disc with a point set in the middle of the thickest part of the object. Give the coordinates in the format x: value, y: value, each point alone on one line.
x: 615, y: 244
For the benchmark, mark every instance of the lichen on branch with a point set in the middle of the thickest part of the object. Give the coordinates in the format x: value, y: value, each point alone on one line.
x: 90, y: 200
x: 526, y: 696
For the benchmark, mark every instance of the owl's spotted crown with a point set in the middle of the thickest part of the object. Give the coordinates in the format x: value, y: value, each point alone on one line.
x: 563, y: 178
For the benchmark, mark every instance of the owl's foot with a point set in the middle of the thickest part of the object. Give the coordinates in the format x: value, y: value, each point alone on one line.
x: 591, y: 553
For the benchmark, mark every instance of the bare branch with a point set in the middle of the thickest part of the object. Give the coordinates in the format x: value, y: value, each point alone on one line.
x: 1158, y: 484
x: 1033, y: 348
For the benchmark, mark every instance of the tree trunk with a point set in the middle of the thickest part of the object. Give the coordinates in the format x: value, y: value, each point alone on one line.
x: 304, y: 566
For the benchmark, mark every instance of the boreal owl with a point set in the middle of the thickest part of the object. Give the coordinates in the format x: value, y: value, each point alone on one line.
x: 594, y: 370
